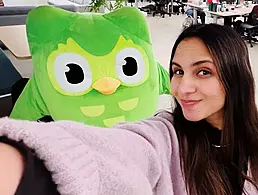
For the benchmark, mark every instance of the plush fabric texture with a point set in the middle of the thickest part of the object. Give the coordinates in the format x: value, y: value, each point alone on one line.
x: 129, y: 159
x: 93, y: 68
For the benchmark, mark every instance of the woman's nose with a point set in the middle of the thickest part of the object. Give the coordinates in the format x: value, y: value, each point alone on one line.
x: 186, y: 85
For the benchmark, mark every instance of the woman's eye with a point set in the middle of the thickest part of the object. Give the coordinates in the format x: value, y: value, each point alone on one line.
x: 204, y: 72
x: 178, y: 72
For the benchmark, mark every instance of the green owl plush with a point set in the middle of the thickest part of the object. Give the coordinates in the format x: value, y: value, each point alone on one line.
x: 89, y: 67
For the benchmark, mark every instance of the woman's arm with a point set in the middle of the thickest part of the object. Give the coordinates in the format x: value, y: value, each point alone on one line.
x: 132, y: 158
x: 11, y: 169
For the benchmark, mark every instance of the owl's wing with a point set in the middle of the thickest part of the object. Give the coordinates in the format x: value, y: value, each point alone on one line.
x: 164, y: 80
x: 29, y: 105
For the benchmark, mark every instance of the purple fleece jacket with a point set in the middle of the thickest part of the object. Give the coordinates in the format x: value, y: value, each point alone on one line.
x: 139, y: 158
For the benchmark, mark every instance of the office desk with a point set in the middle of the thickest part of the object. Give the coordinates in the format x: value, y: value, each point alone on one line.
x: 15, y: 39
x: 231, y: 13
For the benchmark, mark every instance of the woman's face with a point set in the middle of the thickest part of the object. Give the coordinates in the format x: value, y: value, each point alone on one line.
x: 195, y: 83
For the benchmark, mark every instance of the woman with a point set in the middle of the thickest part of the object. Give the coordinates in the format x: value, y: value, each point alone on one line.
x: 208, y: 145
x: 189, y: 12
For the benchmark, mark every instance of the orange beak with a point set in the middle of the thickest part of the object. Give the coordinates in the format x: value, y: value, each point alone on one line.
x: 106, y: 85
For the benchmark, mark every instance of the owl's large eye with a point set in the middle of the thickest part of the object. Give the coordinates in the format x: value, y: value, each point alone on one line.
x: 72, y: 72
x: 130, y: 66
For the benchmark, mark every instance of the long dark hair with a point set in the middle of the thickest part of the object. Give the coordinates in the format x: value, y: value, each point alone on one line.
x: 203, y: 174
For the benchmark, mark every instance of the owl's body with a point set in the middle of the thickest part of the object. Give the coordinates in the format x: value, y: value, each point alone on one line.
x: 92, y: 68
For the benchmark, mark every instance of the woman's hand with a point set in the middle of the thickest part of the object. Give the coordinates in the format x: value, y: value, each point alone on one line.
x: 11, y: 169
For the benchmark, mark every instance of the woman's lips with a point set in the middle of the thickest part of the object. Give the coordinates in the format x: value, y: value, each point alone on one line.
x: 189, y: 103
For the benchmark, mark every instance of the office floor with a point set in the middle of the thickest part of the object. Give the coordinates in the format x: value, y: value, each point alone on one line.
x: 164, y: 32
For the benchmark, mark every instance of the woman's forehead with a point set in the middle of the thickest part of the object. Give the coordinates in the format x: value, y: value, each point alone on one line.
x: 190, y: 51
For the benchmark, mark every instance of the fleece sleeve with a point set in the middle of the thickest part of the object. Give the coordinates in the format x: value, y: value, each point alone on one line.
x: 130, y: 159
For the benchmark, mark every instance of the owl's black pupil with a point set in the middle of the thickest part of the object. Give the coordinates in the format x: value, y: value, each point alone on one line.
x: 75, y: 74
x: 130, y: 68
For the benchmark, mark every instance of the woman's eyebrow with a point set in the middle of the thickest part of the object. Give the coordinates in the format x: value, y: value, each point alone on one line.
x: 202, y: 62
x: 176, y: 64
x: 194, y: 64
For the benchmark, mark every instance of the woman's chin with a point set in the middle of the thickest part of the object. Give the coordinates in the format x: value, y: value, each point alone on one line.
x: 192, y: 117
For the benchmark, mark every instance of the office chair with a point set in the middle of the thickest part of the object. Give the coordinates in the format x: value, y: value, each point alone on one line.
x: 178, y: 7
x: 8, y: 76
x: 250, y: 27
x: 161, y: 8
x: 148, y: 8
x: 131, y: 1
